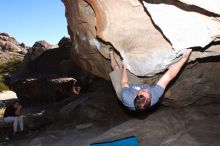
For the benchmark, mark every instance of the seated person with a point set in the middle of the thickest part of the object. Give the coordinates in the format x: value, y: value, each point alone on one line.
x: 13, y: 114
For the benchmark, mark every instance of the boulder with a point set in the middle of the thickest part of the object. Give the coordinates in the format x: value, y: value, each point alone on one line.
x: 198, y: 125
x: 8, y: 43
x: 52, y: 61
x: 65, y: 42
x: 49, y: 77
x: 43, y: 89
x: 10, y: 48
x: 197, y: 81
x: 211, y: 5
x: 127, y: 37
x: 147, y: 42
x: 184, y: 29
x: 38, y: 48
x: 31, y: 59
x: 58, y: 62
x: 7, y: 95
x: 149, y: 36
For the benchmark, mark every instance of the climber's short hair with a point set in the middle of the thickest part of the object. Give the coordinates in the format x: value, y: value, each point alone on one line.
x: 140, y: 100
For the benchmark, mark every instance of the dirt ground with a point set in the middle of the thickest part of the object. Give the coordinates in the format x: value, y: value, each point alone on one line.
x: 97, y: 116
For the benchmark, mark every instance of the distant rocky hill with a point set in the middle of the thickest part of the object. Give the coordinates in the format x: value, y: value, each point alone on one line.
x: 10, y: 48
x: 11, y: 56
x: 9, y: 43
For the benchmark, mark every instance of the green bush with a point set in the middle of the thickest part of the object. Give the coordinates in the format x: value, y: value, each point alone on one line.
x: 7, y: 69
x: 3, y: 87
x: 10, y: 66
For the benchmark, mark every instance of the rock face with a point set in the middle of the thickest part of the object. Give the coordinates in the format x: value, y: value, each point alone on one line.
x: 149, y: 36
x: 10, y: 48
x: 38, y: 48
x: 51, y: 61
x: 212, y: 5
x: 195, y: 82
x: 184, y: 29
x: 48, y: 74
x: 6, y: 95
x: 8, y: 43
x: 65, y: 42
x: 44, y: 89
x: 191, y: 126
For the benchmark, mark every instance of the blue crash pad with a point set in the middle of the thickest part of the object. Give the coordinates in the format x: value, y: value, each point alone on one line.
x: 129, y: 141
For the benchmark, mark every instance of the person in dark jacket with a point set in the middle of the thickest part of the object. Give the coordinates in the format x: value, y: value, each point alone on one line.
x: 13, y: 114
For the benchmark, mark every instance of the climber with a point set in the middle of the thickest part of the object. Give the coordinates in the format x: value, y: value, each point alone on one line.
x: 13, y: 114
x: 140, y: 97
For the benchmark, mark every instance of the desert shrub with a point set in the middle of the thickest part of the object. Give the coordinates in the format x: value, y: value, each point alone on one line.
x: 7, y: 69
x: 10, y: 66
x: 3, y: 87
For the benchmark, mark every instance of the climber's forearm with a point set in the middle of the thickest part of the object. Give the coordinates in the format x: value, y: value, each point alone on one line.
x: 124, y: 78
x: 174, y: 69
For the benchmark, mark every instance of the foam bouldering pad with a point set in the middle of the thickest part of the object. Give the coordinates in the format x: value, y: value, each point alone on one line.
x: 129, y: 141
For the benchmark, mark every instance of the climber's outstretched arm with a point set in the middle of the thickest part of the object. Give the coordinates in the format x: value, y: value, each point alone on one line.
x: 124, y: 77
x: 174, y: 70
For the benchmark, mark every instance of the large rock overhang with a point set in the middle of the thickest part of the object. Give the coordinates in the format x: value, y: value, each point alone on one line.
x: 149, y: 36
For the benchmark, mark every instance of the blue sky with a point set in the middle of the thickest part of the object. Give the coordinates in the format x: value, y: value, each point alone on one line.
x: 32, y: 20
